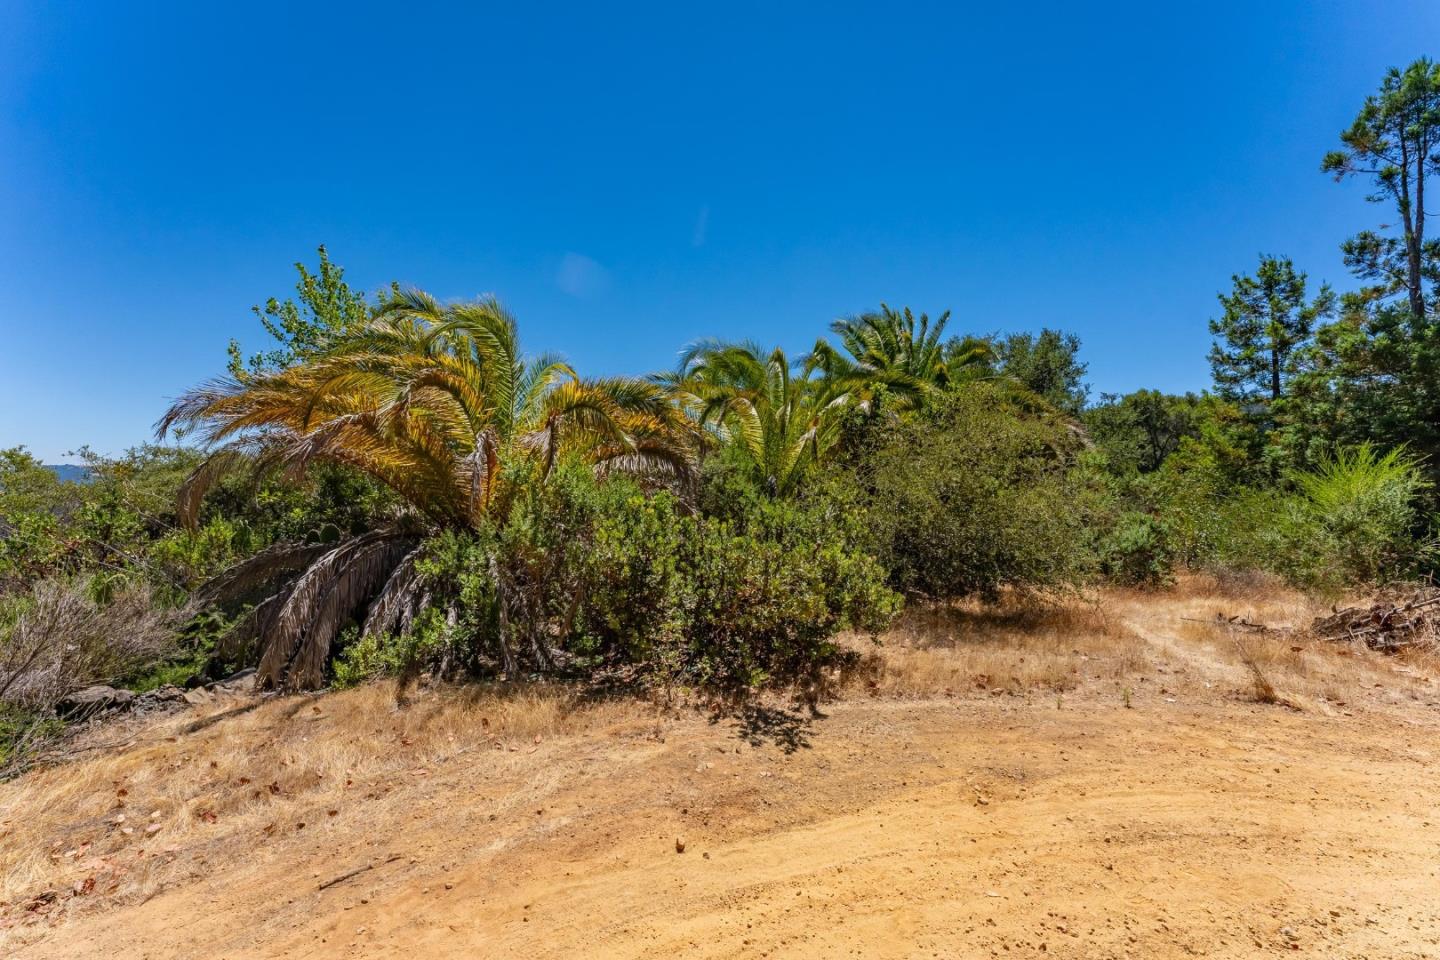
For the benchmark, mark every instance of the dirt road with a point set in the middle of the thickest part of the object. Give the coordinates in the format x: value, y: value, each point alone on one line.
x: 892, y: 830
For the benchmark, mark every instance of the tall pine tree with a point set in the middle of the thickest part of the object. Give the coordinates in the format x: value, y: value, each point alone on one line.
x: 1374, y: 375
x: 1266, y: 322
x: 1395, y: 140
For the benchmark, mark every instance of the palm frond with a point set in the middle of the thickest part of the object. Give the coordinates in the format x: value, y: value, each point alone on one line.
x: 397, y: 598
x: 335, y: 587
x: 265, y: 567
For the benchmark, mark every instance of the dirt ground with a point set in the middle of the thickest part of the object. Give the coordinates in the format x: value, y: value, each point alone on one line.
x: 1133, y: 801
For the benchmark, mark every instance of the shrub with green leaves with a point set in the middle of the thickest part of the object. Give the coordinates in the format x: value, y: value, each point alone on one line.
x: 1351, y: 520
x: 590, y: 575
x: 763, y: 603
x: 1137, y: 551
x: 1364, y: 504
x: 973, y: 494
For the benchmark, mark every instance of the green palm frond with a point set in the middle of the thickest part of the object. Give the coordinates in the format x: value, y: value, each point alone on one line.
x: 785, y: 416
x: 890, y: 348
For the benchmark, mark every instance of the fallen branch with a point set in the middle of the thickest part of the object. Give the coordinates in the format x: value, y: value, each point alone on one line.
x: 1220, y: 620
x: 357, y: 871
x: 1387, y: 626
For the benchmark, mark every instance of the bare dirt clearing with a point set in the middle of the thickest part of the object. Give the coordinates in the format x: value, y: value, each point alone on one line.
x: 1028, y: 811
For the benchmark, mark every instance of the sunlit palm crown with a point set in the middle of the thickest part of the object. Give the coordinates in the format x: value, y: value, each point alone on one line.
x: 434, y: 401
x: 437, y: 403
x: 886, y: 348
x: 785, y: 418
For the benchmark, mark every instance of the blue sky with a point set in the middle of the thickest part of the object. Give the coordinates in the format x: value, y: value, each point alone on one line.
x: 629, y: 178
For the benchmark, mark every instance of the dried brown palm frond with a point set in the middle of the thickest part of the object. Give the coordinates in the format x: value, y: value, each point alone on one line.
x: 336, y: 588
x: 395, y: 606
x: 267, y: 566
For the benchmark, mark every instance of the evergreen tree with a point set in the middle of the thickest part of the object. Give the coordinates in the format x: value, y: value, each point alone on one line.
x: 1374, y: 374
x: 1394, y: 140
x: 1266, y: 321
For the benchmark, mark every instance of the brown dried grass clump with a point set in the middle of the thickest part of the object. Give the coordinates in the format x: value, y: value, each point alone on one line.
x: 1017, y: 644
x: 65, y: 640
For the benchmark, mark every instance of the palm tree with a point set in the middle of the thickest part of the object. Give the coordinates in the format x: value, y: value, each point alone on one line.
x: 437, y: 403
x: 894, y: 349
x: 904, y: 354
x: 970, y: 358
x: 784, y: 418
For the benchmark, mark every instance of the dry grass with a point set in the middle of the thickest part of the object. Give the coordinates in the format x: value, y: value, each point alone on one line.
x: 1017, y: 645
x: 66, y: 640
x: 174, y: 798
x: 1284, y: 665
x: 124, y: 821
x: 1147, y: 644
x: 1312, y: 673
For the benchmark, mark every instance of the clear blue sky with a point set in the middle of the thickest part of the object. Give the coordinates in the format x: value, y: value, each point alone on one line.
x: 630, y: 178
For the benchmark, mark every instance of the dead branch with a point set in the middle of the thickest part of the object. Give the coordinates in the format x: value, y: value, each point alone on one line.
x: 358, y: 870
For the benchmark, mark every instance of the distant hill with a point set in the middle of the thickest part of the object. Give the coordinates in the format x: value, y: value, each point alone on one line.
x: 71, y: 472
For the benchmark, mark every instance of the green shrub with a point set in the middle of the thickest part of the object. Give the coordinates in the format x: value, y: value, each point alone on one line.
x: 763, y: 605
x: 1363, y: 503
x: 374, y: 655
x: 975, y: 494
x: 629, y: 605
x: 1137, y: 551
x: 589, y: 575
x: 1352, y: 520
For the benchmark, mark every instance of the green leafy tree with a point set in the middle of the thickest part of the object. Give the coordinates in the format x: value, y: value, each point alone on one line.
x: 34, y: 505
x: 1048, y: 365
x: 971, y: 494
x: 1371, y: 377
x: 1266, y: 323
x: 1139, y: 430
x: 327, y: 308
x: 28, y: 486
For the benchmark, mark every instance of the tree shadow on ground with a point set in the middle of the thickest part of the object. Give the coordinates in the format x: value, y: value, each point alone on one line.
x: 759, y: 725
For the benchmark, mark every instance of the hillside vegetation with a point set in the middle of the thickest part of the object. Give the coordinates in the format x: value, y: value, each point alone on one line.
x: 398, y: 488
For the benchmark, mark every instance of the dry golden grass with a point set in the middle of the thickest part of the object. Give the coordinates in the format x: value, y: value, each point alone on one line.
x: 122, y: 821
x: 1016, y: 645
x: 1298, y: 669
x: 1153, y: 643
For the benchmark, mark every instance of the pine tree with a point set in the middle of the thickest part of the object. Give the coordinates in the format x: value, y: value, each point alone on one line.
x: 1395, y: 140
x: 1266, y: 321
